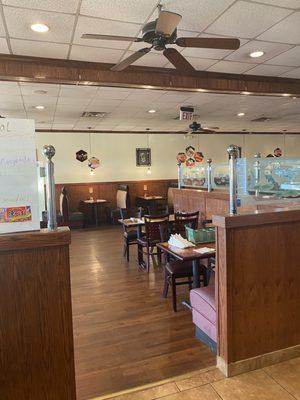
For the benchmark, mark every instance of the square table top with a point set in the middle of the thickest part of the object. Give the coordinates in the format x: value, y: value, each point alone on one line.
x: 151, y: 198
x: 139, y: 221
x: 95, y: 201
x: 189, y: 253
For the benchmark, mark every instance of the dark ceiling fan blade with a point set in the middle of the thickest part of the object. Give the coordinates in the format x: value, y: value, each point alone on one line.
x: 209, y: 43
x: 110, y: 37
x: 131, y: 59
x: 167, y: 22
x: 178, y: 60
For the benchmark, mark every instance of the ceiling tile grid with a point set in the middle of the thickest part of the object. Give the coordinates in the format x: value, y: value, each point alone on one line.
x: 272, y: 26
x: 64, y: 105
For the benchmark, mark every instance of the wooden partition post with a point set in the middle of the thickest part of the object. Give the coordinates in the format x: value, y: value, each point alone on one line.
x: 36, y: 334
x: 258, y: 289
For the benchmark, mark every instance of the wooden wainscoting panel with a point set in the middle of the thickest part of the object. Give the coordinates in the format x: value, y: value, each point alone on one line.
x: 108, y: 190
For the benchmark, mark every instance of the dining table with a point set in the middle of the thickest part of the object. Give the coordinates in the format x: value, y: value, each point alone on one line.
x: 96, y: 204
x: 149, y: 201
x: 192, y: 254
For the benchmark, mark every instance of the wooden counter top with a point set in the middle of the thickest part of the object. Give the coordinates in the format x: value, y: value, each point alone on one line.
x: 257, y: 217
x: 35, y: 239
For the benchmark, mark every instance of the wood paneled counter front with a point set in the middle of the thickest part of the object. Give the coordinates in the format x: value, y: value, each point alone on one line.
x: 208, y: 203
x: 258, y: 289
x: 36, y: 334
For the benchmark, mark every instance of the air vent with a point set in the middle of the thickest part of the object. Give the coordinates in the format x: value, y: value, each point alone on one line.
x: 94, y: 114
x: 261, y: 119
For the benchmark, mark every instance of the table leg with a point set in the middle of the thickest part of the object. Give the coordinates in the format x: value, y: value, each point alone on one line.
x: 96, y: 214
x: 196, y: 274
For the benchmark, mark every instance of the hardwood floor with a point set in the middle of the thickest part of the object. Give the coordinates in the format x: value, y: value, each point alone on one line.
x: 126, y: 334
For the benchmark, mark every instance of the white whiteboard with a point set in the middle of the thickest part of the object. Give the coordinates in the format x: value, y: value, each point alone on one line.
x: 19, y: 203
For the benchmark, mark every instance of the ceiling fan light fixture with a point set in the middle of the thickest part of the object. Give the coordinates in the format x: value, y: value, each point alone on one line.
x: 40, y: 28
x: 257, y: 54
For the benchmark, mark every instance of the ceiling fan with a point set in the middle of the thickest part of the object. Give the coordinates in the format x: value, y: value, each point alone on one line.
x: 161, y: 32
x: 196, y: 128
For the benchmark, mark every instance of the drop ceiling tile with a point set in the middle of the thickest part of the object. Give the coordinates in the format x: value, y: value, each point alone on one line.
x: 31, y: 89
x: 270, y: 50
x: 268, y: 70
x: 282, y: 3
x: 294, y: 73
x: 129, y: 10
x: 286, y: 31
x: 289, y: 58
x: 230, y: 67
x: 36, y: 99
x: 3, y: 46
x: 201, y: 64
x: 104, y: 27
x: 2, y: 29
x: 67, y: 6
x: 247, y: 20
x: 83, y: 53
x: 62, y: 126
x: 11, y: 88
x: 19, y: 21
x: 39, y: 49
x: 195, y: 16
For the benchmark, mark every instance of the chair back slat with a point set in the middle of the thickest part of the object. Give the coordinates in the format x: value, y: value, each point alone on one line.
x: 183, y: 219
x: 156, y: 227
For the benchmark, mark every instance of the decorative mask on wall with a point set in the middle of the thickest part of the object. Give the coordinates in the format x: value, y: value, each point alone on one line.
x: 81, y: 155
x: 93, y: 162
x: 190, y: 157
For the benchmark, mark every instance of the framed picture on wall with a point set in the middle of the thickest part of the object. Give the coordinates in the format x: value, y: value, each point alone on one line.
x: 143, y: 157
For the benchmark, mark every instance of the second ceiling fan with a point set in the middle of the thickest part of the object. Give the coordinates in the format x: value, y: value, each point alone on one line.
x: 162, y: 32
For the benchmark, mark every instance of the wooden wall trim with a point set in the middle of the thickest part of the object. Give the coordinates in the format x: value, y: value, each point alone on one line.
x: 35, y: 239
x: 45, y: 70
x: 262, y: 217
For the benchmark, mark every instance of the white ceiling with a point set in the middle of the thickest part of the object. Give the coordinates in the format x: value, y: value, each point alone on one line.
x: 128, y: 108
x: 269, y: 25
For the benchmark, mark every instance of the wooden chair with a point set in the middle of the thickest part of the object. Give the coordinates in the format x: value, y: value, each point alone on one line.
x: 156, y: 231
x: 122, y: 202
x: 130, y: 234
x: 179, y: 272
x: 183, y: 219
x: 71, y: 219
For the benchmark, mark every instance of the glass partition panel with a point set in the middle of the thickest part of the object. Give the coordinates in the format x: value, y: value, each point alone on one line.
x: 220, y: 176
x: 268, y: 180
x: 193, y: 176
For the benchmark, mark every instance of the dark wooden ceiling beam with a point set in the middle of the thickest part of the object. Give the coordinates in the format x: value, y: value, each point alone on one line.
x: 43, y: 70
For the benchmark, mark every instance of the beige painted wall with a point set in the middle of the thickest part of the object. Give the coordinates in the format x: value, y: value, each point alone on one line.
x: 117, y: 152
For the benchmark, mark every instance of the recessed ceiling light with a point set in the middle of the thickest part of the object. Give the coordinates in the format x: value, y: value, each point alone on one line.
x: 241, y: 114
x: 285, y: 94
x: 40, y: 91
x: 40, y: 28
x: 256, y: 54
x: 151, y: 111
x: 294, y: 97
x: 39, y: 107
x: 245, y: 92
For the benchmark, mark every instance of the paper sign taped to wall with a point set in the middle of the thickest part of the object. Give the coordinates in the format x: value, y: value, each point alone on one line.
x: 19, y: 203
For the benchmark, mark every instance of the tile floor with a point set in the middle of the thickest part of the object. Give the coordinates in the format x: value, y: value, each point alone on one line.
x: 278, y: 382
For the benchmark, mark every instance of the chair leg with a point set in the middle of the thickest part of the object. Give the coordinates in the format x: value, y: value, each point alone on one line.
x: 127, y: 250
x: 148, y: 259
x: 166, y: 286
x: 190, y: 283
x: 159, y: 256
x: 124, y: 248
x: 174, y: 294
x: 140, y: 255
